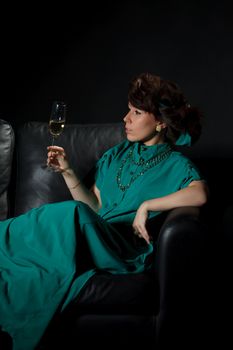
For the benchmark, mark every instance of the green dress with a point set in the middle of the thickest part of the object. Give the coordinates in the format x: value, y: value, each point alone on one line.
x: 41, y: 271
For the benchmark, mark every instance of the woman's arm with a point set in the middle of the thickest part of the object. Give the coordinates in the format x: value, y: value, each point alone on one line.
x: 80, y: 192
x: 58, y: 161
x: 195, y: 195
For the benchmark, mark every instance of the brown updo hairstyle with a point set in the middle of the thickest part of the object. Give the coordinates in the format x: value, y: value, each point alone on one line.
x: 167, y: 102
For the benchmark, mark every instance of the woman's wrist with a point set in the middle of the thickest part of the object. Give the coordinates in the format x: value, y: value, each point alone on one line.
x: 67, y: 171
x: 144, y: 206
x: 70, y: 178
x: 75, y: 186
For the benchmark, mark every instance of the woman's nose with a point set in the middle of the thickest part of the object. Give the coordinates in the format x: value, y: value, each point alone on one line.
x: 126, y: 118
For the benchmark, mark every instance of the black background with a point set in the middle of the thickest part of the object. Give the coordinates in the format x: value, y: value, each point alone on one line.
x: 86, y: 56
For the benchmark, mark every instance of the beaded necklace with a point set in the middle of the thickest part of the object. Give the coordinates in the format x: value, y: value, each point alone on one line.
x: 145, y: 164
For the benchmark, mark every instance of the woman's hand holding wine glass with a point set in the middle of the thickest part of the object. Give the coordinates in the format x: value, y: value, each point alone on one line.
x: 57, y: 159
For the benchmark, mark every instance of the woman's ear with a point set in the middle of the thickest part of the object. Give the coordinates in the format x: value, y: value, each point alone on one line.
x: 160, y: 126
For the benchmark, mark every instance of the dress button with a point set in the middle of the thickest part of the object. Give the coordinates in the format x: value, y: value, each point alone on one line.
x: 115, y: 204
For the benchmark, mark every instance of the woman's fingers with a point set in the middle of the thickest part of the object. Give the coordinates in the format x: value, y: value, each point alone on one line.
x: 55, y: 148
x: 142, y: 233
x: 56, y: 154
x: 56, y: 158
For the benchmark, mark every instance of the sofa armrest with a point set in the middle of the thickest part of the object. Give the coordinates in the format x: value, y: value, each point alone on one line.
x: 181, y: 270
x: 180, y: 255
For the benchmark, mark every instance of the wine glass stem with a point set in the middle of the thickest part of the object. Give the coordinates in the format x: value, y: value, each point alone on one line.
x: 53, y: 139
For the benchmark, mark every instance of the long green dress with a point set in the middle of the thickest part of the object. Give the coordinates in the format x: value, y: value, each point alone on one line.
x: 41, y: 271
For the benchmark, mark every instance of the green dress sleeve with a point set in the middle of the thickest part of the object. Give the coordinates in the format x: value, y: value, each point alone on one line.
x: 192, y: 173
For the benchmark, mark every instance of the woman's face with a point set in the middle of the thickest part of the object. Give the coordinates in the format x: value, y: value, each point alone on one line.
x: 141, y: 126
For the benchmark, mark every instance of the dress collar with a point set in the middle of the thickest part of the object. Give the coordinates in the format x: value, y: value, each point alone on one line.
x: 143, y: 152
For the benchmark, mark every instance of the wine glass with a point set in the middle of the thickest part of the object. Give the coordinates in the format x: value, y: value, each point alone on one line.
x: 57, y: 119
x: 56, y: 123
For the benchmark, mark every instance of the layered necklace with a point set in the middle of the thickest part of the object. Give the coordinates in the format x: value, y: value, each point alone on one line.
x: 145, y: 165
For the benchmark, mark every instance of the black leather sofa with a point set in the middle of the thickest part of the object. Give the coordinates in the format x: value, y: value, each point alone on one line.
x: 165, y: 307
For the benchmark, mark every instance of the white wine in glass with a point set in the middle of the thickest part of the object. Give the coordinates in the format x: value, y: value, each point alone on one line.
x: 57, y: 119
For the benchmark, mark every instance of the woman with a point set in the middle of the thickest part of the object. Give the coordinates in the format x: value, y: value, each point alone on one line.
x: 41, y: 271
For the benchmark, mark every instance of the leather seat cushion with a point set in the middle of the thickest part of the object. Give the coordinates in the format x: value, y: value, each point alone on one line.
x: 118, y: 294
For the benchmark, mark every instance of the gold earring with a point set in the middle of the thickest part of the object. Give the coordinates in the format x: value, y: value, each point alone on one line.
x: 158, y: 128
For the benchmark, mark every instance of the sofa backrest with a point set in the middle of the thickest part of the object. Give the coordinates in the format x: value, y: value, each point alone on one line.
x: 6, y: 156
x: 84, y: 145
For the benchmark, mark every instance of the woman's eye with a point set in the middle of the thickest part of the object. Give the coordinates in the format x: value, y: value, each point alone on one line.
x: 137, y: 112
